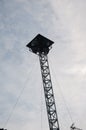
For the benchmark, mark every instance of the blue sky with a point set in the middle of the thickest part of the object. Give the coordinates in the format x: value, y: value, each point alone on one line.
x: 64, y: 22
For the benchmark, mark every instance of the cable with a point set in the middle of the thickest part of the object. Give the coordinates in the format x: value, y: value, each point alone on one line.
x: 41, y: 105
x: 18, y: 98
x: 63, y: 97
x: 70, y: 117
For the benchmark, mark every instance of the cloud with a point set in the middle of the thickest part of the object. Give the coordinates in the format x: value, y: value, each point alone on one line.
x: 63, y: 22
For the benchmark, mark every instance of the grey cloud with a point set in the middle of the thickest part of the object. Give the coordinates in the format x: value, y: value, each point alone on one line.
x: 62, y: 22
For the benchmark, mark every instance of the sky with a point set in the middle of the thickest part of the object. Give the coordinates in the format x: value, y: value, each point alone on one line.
x: 21, y: 96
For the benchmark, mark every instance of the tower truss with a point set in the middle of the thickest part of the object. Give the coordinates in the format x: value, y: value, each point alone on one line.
x: 41, y: 46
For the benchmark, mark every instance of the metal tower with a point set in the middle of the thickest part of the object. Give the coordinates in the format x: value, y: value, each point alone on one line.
x: 41, y: 46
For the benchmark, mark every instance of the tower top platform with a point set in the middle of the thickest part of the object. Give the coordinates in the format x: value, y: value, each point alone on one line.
x: 40, y: 45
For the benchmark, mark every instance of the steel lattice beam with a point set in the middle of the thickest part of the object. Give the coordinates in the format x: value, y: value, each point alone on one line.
x: 48, y: 91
